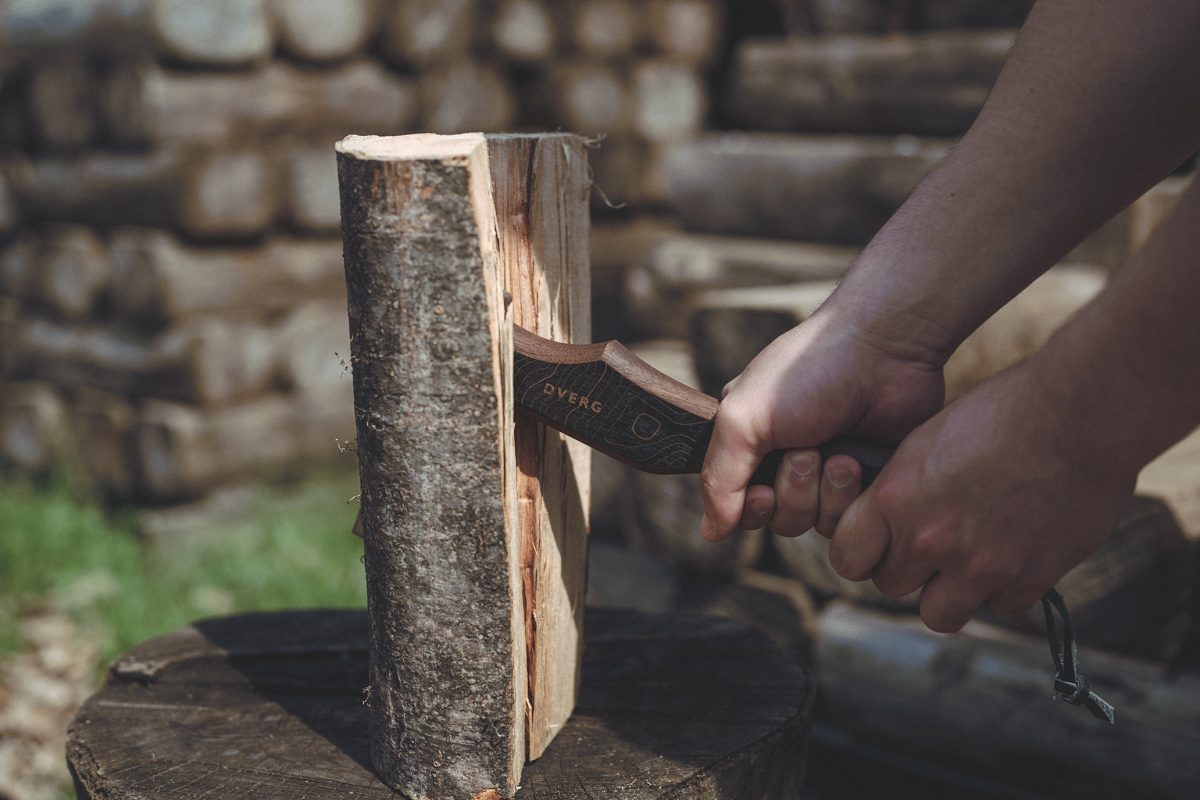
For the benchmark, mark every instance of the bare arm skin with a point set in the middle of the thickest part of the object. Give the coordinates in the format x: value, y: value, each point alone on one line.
x: 1099, y: 100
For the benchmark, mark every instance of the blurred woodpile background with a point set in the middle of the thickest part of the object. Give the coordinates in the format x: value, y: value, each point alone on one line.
x: 172, y: 311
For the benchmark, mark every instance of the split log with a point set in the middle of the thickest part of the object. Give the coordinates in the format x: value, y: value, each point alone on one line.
x: 466, y: 96
x: 931, y: 84
x: 826, y: 189
x: 318, y: 32
x: 61, y: 105
x: 424, y: 33
x: 684, y: 31
x: 427, y: 289
x: 34, y: 435
x: 104, y: 425
x: 602, y: 29
x: 664, y: 511
x: 860, y: 16
x: 184, y: 451
x: 1174, y: 478
x: 670, y: 101
x: 206, y: 361
x: 523, y: 31
x: 216, y: 195
x: 74, y: 271
x: 981, y: 700
x: 157, y: 278
x: 276, y: 699
x: 310, y: 190
x: 587, y: 97
x: 215, y: 33
x: 143, y: 104
x: 971, y: 13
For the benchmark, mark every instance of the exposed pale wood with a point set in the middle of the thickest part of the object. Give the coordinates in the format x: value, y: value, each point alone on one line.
x: 983, y: 700
x: 426, y: 291
x: 670, y: 100
x: 61, y: 104
x: 319, y: 31
x: 143, y: 103
x: 1154, y: 206
x: 215, y: 195
x: 104, y: 425
x: 1174, y: 478
x: 215, y: 33
x: 421, y: 33
x: 688, y: 31
x: 159, y: 278
x: 523, y: 31
x: 33, y: 426
x: 587, y: 97
x: 540, y: 188
x: 467, y: 96
x: 826, y: 189
x: 923, y: 84
x: 602, y: 29
x: 184, y: 451
x: 971, y: 13
x: 310, y: 189
x: 74, y: 270
x: 674, y: 706
x: 208, y: 361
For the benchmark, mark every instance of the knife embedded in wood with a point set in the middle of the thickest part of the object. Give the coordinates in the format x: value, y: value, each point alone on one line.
x: 608, y: 398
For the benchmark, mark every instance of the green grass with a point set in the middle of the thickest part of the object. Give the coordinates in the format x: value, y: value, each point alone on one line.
x: 293, y: 549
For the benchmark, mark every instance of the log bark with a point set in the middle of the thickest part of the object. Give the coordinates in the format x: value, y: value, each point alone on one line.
x: 601, y: 29
x: 670, y: 101
x: 424, y: 33
x: 426, y: 268
x: 104, y: 425
x: 74, y: 271
x: 33, y: 426
x: 467, y: 96
x: 684, y: 31
x: 982, y: 701
x: 823, y: 189
x: 276, y: 700
x: 158, y: 279
x: 319, y: 32
x: 61, y: 105
x: 215, y: 195
x: 523, y: 31
x: 144, y: 104
x: 931, y: 84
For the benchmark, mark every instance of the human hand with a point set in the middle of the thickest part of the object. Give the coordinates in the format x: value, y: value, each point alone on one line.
x: 823, y: 379
x: 988, y: 503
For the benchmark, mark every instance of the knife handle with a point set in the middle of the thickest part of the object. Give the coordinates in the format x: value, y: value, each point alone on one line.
x: 870, y: 456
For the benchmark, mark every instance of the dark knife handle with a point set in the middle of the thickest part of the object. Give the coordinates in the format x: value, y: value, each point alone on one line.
x: 870, y: 456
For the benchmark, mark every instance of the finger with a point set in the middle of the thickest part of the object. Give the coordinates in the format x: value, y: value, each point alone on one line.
x: 860, y: 542
x: 949, y: 600
x: 797, y: 488
x: 731, y: 459
x: 895, y: 578
x: 1014, y: 600
x: 760, y: 506
x: 911, y: 561
x: 839, y: 488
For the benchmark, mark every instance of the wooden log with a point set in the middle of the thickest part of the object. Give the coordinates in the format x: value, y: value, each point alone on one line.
x: 684, y: 31
x: 523, y: 31
x: 18, y: 266
x: 319, y: 32
x: 277, y: 700
x: 983, y: 699
x: 467, y: 96
x: 74, y: 271
x: 61, y: 105
x: 939, y: 14
x: 588, y: 97
x: 104, y: 425
x: 601, y: 29
x: 629, y: 177
x: 157, y: 278
x: 424, y: 33
x: 144, y: 104
x: 217, y: 33
x: 860, y: 16
x: 826, y: 189
x: 34, y: 435
x: 670, y: 101
x: 314, y: 348
x: 931, y: 84
x: 426, y: 289
x: 214, y: 195
x: 310, y: 189
x: 206, y: 361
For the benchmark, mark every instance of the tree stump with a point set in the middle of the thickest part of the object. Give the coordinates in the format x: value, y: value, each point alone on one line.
x: 273, y: 706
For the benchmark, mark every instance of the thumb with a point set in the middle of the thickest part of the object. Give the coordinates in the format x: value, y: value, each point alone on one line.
x: 861, y: 540
x: 733, y: 455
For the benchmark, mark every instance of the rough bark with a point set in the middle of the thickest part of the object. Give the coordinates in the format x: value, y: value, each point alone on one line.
x: 144, y: 104
x: 157, y: 278
x: 981, y: 700
x: 422, y: 33
x: 684, y: 31
x: 74, y: 271
x: 318, y: 31
x: 931, y: 84
x: 276, y: 700
x: 822, y: 189
x: 33, y: 434
x: 467, y: 96
x: 523, y: 31
x: 670, y: 101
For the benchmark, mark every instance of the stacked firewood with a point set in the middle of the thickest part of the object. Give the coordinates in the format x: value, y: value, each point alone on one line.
x: 171, y: 292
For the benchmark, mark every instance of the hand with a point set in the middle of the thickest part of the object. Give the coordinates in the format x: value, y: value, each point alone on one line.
x: 823, y: 379
x: 989, y: 503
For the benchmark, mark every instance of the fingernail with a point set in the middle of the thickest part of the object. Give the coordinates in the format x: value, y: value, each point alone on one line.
x: 840, y: 476
x: 803, y: 465
x: 760, y: 506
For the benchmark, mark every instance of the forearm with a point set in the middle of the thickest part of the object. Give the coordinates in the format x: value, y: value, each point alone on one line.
x: 1099, y: 100
x: 1124, y: 376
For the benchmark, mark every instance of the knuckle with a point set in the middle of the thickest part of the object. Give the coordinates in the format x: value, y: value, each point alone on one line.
x: 928, y: 545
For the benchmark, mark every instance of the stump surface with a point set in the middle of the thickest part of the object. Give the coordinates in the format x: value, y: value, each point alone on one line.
x: 272, y: 706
